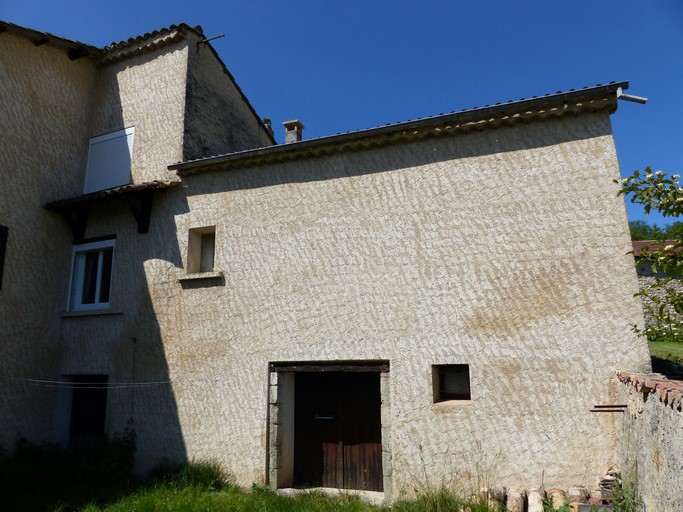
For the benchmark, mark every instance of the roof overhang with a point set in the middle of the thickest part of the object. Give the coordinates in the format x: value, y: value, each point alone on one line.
x: 74, y: 49
x: 138, y: 196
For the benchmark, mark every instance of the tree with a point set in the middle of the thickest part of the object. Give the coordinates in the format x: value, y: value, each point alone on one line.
x: 641, y: 230
x: 660, y: 192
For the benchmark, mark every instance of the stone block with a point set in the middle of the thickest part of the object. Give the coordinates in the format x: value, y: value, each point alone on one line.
x: 557, y: 498
x: 535, y: 500
x: 516, y: 499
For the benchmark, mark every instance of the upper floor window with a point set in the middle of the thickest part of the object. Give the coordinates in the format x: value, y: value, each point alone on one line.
x: 109, y: 160
x: 91, y: 275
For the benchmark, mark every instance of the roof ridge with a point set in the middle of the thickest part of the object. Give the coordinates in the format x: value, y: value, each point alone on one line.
x: 147, y: 42
x: 136, y: 40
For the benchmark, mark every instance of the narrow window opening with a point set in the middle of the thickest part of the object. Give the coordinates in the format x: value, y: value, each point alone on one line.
x: 201, y: 250
x: 208, y: 247
x: 451, y: 382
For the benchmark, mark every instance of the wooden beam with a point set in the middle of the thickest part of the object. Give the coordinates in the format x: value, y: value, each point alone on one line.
x: 41, y: 41
x: 337, y: 366
x: 78, y: 53
x: 140, y: 204
x: 77, y: 219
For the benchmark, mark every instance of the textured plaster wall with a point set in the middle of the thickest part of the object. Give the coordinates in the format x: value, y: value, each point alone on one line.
x: 218, y: 117
x: 147, y: 92
x: 44, y: 124
x: 503, y: 249
x: 651, y: 440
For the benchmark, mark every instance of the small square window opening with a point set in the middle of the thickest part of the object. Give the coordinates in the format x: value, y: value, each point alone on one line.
x: 91, y: 275
x: 451, y: 382
x: 201, y: 250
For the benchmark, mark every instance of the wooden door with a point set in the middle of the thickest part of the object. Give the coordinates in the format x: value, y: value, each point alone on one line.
x: 337, y: 430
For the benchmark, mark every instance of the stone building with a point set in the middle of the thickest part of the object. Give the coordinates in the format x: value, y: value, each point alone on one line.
x: 437, y: 301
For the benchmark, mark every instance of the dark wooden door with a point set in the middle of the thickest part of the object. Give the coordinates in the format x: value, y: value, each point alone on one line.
x: 337, y: 431
x: 88, y: 408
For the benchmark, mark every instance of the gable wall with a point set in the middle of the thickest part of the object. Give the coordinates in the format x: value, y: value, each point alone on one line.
x: 218, y: 118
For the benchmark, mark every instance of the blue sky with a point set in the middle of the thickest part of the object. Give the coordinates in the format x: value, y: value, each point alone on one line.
x: 346, y: 65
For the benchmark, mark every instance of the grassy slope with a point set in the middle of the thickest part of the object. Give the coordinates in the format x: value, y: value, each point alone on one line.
x: 170, y: 498
x: 672, y: 351
x: 190, y: 499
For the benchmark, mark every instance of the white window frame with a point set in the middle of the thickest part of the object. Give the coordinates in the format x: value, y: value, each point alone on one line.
x: 77, y: 276
x: 97, y: 179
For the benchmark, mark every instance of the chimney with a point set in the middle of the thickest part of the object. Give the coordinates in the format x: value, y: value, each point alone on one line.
x: 293, y: 131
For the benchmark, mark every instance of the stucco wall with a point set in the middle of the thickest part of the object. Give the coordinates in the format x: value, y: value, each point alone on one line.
x: 218, y: 118
x: 498, y: 249
x: 148, y: 92
x: 44, y: 124
x: 651, y: 439
x: 126, y: 342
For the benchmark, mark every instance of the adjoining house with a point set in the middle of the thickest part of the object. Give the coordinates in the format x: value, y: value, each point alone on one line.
x: 433, y: 301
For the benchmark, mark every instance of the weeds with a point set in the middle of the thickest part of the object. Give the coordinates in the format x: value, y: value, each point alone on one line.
x: 625, y: 499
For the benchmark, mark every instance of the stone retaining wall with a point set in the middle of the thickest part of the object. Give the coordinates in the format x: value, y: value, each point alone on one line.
x: 650, y: 447
x: 645, y: 282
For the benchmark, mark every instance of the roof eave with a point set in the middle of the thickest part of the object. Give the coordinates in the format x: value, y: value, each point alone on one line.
x: 74, y: 49
x: 465, y: 120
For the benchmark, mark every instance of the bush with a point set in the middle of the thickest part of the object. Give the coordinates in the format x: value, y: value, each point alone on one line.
x: 40, y: 477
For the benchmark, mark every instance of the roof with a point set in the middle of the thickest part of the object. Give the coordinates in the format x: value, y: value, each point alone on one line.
x: 112, y: 53
x: 122, y: 50
x: 653, y: 245
x: 573, y: 102
x: 110, y: 193
x: 147, y: 42
x: 74, y: 49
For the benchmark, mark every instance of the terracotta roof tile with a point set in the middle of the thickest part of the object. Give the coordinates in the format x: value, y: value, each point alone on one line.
x: 110, y: 193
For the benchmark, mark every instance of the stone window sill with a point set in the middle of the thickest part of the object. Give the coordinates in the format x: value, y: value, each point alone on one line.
x: 449, y: 405
x: 90, y: 312
x: 197, y: 276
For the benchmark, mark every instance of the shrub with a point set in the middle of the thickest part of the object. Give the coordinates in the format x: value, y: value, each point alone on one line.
x: 45, y: 476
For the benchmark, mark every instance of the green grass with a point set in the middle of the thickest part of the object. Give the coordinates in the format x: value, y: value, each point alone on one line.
x: 207, y: 494
x: 171, y: 498
x: 670, y: 350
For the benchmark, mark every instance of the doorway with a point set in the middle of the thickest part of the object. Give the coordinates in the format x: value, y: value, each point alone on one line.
x: 88, y: 408
x: 337, y: 430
